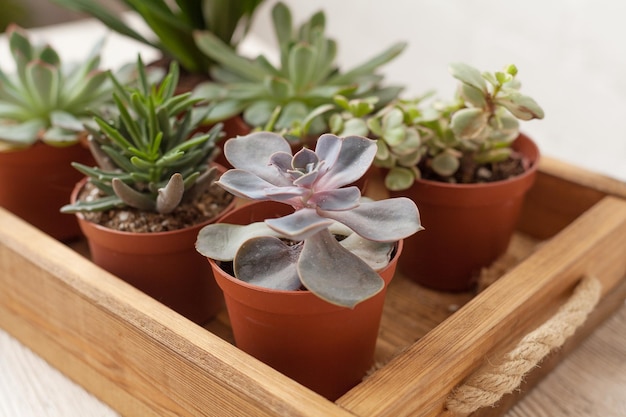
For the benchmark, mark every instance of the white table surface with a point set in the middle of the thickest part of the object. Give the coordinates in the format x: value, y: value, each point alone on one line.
x: 591, y: 382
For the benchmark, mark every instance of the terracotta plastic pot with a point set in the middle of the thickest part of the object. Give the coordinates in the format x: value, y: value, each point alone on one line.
x: 37, y: 181
x: 164, y: 265
x: 467, y: 226
x: 322, y: 346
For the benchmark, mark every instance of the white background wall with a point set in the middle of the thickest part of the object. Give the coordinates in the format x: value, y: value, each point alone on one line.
x: 571, y: 57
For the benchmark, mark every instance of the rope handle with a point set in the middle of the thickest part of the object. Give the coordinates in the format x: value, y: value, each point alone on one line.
x: 490, y: 382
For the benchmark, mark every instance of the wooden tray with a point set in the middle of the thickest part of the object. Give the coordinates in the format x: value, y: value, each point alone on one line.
x: 141, y: 358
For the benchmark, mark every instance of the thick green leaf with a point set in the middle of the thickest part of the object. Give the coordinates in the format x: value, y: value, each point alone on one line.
x: 43, y: 84
x: 355, y: 127
x: 468, y: 75
x: 170, y: 196
x: 258, y: 113
x: 224, y: 110
x: 282, y: 23
x: 369, y: 66
x: 399, y: 178
x: 445, y: 164
x: 50, y: 56
x: 468, y: 123
x: 22, y: 134
x: 279, y: 88
x: 522, y: 107
x: 132, y: 197
x: 19, y: 44
x: 66, y: 121
x: 474, y: 96
x: 221, y: 52
x: 100, y: 204
x: 301, y: 66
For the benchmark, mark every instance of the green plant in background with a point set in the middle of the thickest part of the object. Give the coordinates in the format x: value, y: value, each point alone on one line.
x: 45, y: 99
x: 173, y: 24
x: 451, y: 139
x: 146, y: 157
x: 293, y: 95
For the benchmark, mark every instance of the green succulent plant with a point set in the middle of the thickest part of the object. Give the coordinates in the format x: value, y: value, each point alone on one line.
x: 477, y: 128
x: 46, y: 99
x: 147, y: 157
x: 173, y: 24
x: 295, y: 94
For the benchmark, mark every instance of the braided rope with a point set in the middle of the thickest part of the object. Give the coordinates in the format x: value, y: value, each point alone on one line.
x: 489, y: 383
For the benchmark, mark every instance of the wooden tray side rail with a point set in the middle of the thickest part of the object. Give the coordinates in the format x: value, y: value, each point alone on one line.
x: 143, y: 359
x: 594, y: 244
x: 129, y: 350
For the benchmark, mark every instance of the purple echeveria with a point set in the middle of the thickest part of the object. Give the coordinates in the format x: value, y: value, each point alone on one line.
x: 316, y: 185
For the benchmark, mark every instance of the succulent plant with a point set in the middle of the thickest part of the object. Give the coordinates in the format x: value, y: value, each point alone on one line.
x: 314, y: 183
x: 45, y: 99
x: 451, y: 139
x: 173, y: 24
x: 301, y: 88
x: 146, y: 157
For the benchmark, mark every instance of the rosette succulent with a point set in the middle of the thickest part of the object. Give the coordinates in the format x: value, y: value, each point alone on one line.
x: 333, y: 242
x: 46, y: 99
x: 303, y: 84
x: 148, y: 155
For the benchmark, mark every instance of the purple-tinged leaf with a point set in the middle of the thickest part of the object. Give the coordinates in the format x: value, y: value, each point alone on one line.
x: 305, y: 160
x: 307, y: 180
x: 282, y: 162
x: 323, y: 267
x: 339, y: 199
x: 287, y: 195
x: 221, y: 241
x: 352, y: 162
x: 244, y: 184
x: 328, y: 147
x: 384, y: 221
x: 299, y: 225
x: 253, y: 153
x: 269, y: 263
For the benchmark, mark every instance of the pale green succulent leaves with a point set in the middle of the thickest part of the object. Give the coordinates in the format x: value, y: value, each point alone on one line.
x: 45, y: 99
x: 279, y: 98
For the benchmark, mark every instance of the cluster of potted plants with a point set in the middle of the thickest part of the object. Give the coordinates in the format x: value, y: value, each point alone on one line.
x: 307, y: 249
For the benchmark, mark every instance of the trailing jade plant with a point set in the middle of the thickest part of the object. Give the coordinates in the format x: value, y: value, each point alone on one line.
x: 302, y: 249
x: 293, y: 95
x: 46, y: 99
x: 449, y: 141
x: 146, y: 157
x: 173, y: 23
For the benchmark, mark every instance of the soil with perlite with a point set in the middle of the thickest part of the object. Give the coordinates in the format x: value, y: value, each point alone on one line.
x: 127, y: 219
x: 471, y: 172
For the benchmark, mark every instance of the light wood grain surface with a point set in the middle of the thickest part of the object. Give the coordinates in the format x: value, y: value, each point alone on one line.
x: 591, y: 382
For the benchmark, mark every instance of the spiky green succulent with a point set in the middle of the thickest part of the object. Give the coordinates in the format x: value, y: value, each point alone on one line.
x: 46, y: 99
x: 301, y: 88
x: 147, y: 155
x: 173, y: 24
x: 480, y: 124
